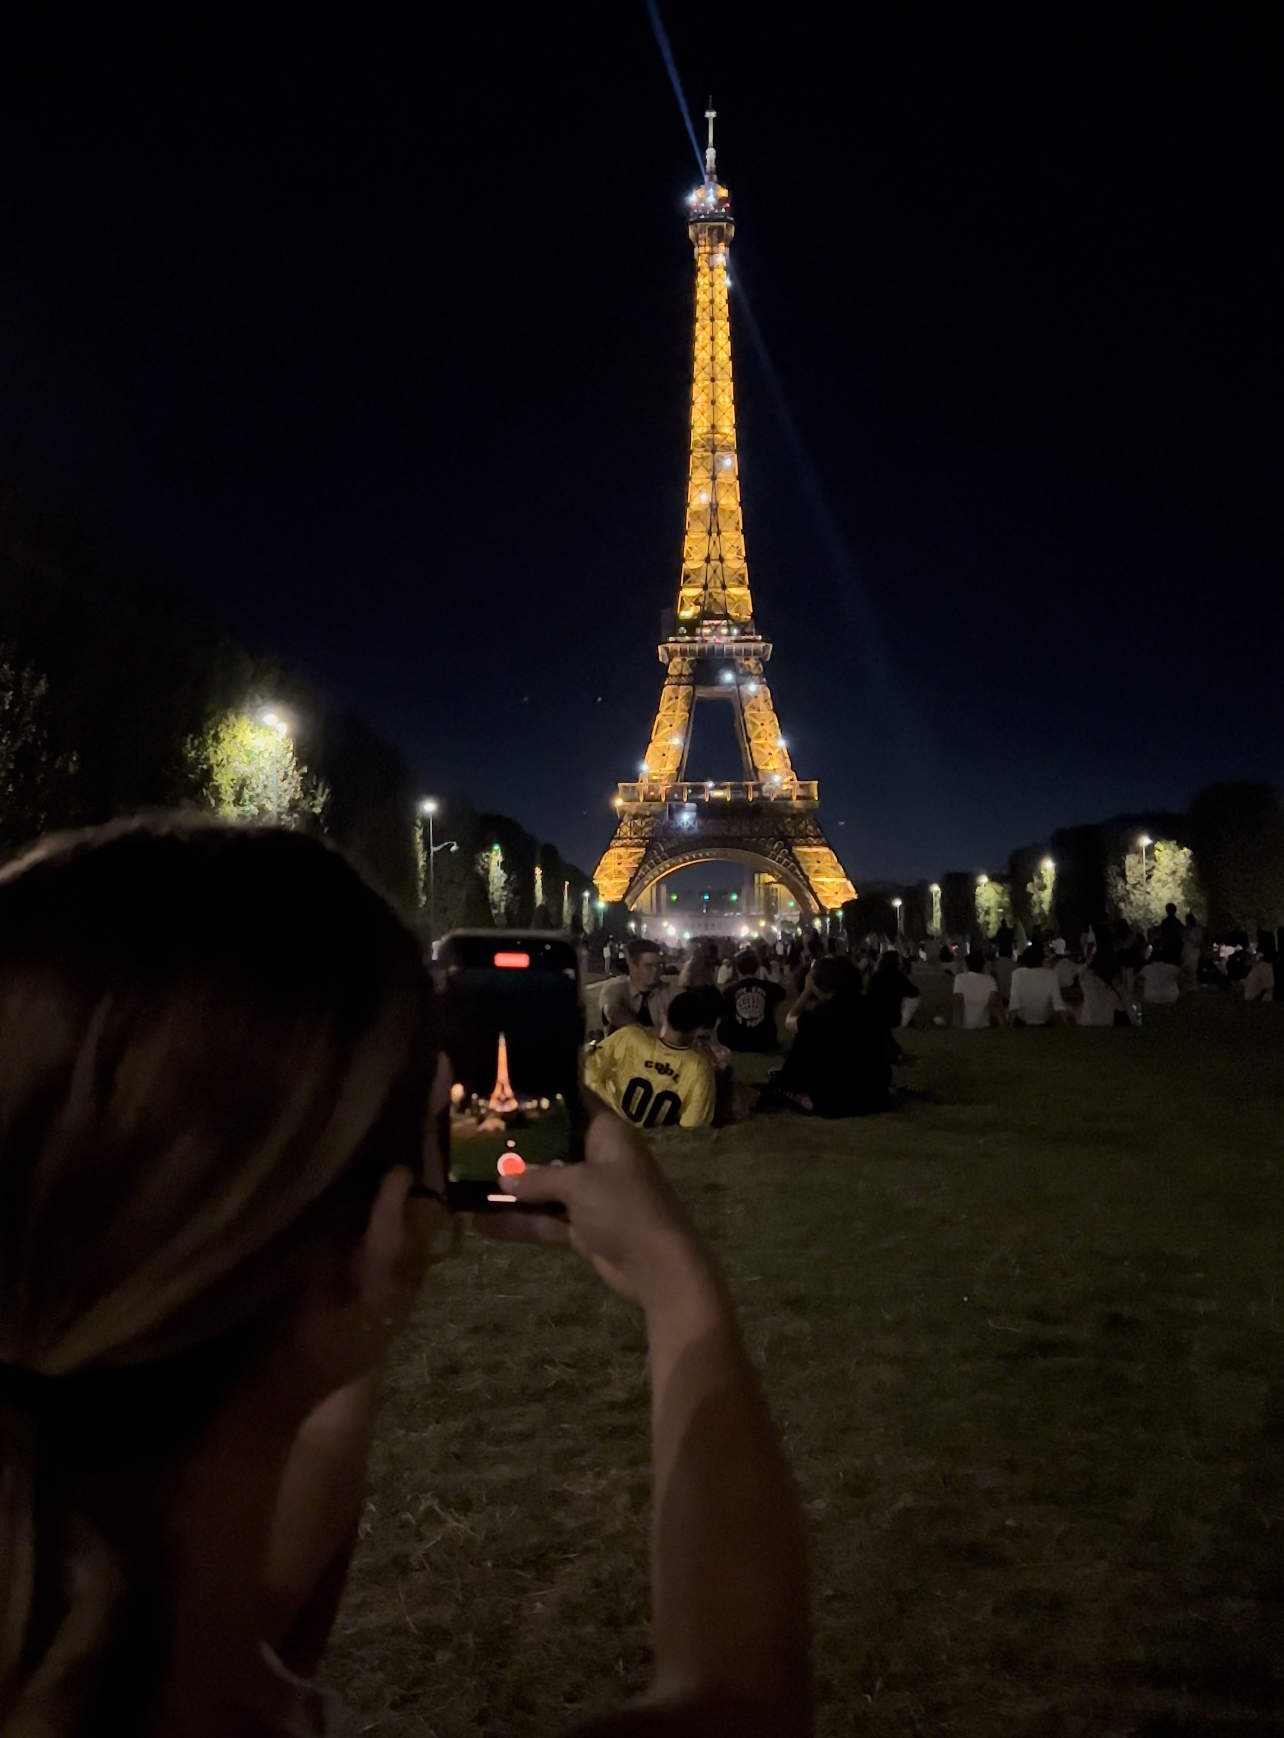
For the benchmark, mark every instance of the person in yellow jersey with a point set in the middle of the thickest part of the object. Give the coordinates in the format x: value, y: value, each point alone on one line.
x: 659, y: 1078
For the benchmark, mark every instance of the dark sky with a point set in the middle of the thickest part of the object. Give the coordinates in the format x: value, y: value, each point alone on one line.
x: 375, y: 341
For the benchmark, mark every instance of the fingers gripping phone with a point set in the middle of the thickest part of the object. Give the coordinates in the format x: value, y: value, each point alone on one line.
x: 513, y: 1021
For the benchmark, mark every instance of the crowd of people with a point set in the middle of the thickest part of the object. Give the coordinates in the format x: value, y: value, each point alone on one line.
x: 844, y: 1004
x: 1106, y: 976
x: 724, y: 1003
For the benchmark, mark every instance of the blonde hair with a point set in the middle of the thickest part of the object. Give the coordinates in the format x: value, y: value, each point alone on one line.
x: 211, y: 1039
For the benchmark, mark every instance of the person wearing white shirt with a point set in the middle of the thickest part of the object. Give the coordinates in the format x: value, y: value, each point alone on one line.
x: 1160, y: 981
x: 1104, y: 1002
x: 1035, y: 997
x: 1259, y: 984
x: 639, y: 999
x: 976, y: 996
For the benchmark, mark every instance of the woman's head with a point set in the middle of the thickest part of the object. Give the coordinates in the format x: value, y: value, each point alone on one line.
x: 835, y: 977
x: 216, y: 1050
x: 201, y: 1027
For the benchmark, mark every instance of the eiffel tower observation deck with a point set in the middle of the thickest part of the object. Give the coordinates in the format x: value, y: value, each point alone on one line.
x: 766, y: 817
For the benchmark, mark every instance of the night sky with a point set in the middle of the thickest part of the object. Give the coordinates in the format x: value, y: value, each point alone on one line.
x: 374, y: 342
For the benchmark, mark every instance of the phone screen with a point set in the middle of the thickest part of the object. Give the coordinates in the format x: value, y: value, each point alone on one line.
x: 514, y: 1023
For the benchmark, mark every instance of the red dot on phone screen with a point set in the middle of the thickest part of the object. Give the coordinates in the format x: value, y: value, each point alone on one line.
x: 511, y: 1165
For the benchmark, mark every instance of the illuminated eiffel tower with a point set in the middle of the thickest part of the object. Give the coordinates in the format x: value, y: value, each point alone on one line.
x: 502, y: 1098
x: 765, y: 819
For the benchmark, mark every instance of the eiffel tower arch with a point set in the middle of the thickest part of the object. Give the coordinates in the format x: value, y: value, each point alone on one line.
x: 767, y: 817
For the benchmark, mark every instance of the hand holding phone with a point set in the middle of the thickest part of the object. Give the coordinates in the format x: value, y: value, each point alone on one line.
x: 622, y: 1215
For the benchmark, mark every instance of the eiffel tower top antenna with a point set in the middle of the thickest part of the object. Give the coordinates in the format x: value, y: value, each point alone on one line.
x: 710, y: 155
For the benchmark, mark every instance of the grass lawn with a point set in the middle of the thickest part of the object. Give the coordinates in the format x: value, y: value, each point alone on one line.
x: 1023, y: 1341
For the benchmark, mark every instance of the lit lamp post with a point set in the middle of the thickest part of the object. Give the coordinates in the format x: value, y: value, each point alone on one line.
x: 428, y: 808
x: 900, y: 921
x: 274, y: 721
x: 1143, y: 841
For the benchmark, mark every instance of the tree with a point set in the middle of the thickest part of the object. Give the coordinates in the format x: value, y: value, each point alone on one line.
x: 934, y: 913
x: 1139, y: 895
x: 1079, y: 889
x: 958, y: 903
x: 1237, y: 830
x: 993, y: 905
x: 247, y: 771
x: 421, y: 864
x: 372, y: 811
x: 1038, y: 892
x: 118, y: 699
x: 29, y: 768
x: 492, y: 861
x: 547, y: 882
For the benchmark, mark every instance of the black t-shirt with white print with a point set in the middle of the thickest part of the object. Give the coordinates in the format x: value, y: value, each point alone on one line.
x: 749, y: 1015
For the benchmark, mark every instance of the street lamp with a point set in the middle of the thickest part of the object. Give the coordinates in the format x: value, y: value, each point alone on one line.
x: 1143, y: 841
x: 896, y: 907
x: 428, y: 808
x: 934, y: 921
x: 274, y: 721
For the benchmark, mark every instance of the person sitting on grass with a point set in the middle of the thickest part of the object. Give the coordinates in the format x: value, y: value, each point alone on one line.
x: 656, y: 1078
x: 639, y: 998
x: 1159, y: 980
x: 1035, y: 998
x: 1105, y: 1000
x: 749, y: 1007
x: 700, y: 970
x: 976, y: 996
x: 1259, y: 980
x: 840, y: 1063
x: 731, y: 1100
x: 222, y: 1190
x: 1172, y: 937
x: 1067, y: 967
x: 893, y: 994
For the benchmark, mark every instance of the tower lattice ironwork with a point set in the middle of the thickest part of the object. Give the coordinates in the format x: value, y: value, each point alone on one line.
x: 767, y: 818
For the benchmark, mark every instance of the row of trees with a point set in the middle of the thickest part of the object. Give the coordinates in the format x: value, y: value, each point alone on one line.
x: 1223, y: 861
x: 488, y: 870
x: 113, y: 700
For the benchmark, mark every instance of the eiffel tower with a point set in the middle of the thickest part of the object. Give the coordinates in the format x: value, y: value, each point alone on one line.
x: 767, y: 818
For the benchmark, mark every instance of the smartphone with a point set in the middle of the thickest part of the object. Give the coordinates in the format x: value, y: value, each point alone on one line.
x: 513, y: 1029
